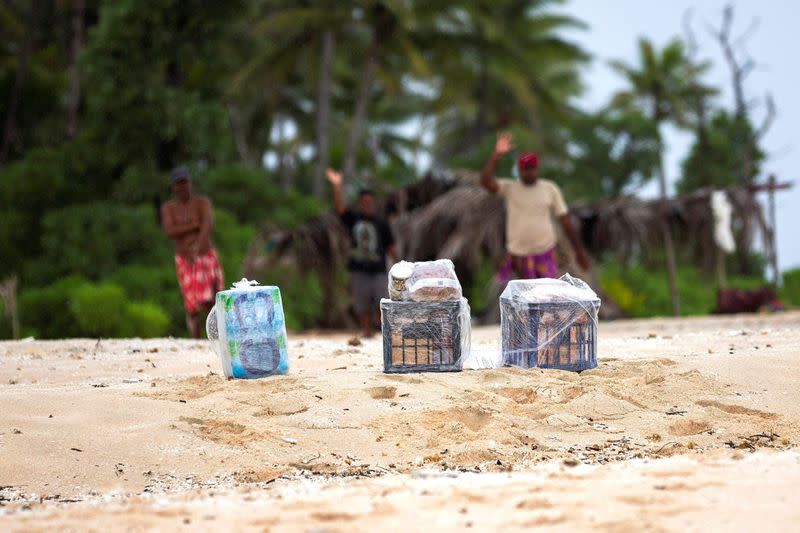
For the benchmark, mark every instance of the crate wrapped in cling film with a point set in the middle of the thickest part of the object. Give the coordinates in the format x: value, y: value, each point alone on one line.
x: 247, y: 328
x: 424, y: 281
x: 425, y: 336
x: 549, y: 323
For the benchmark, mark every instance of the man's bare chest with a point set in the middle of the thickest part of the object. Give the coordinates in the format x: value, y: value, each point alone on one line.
x: 183, y: 214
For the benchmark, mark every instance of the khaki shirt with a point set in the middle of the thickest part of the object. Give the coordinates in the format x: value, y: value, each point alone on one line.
x: 529, y: 219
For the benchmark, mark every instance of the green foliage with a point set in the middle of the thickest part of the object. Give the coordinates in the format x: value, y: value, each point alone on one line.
x: 643, y: 292
x: 94, y: 240
x: 233, y: 240
x: 302, y: 297
x: 479, y: 292
x: 74, y: 307
x: 45, y: 311
x: 664, y: 82
x: 249, y: 194
x: 145, y: 319
x: 157, y: 284
x: 155, y: 110
x: 222, y: 86
x: 612, y: 152
x: 97, y: 309
x: 790, y: 291
x: 717, y: 159
x: 620, y: 292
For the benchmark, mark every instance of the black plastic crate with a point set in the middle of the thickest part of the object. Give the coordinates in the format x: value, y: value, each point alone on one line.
x: 424, y: 336
x: 560, y: 335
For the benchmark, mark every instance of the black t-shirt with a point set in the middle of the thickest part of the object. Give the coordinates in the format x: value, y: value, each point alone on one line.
x: 369, y: 239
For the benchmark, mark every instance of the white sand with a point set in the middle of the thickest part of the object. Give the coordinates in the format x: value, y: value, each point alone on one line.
x: 671, y: 432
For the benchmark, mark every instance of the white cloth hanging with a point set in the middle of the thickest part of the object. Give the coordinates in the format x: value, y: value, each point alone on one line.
x: 722, y: 209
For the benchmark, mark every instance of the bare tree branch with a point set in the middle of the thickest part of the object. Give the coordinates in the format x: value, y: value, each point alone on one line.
x: 755, y: 23
x: 769, y: 118
x: 691, y: 38
x: 742, y: 64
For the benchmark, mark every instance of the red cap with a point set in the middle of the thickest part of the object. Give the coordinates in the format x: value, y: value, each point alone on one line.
x: 528, y: 159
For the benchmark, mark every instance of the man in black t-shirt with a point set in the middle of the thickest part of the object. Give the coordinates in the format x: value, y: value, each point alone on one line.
x: 370, y: 241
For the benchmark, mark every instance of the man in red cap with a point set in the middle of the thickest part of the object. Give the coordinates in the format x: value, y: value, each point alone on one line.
x: 531, y: 204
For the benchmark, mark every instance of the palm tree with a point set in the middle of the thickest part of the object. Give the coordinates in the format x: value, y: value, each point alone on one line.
x: 503, y: 63
x: 299, y: 40
x: 663, y: 86
x: 293, y: 64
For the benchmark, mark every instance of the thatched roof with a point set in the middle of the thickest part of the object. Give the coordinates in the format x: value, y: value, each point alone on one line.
x: 463, y: 222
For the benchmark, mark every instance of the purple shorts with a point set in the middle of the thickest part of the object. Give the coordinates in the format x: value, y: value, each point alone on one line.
x: 543, y: 265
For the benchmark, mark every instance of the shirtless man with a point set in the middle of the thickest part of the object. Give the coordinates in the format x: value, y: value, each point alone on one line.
x: 187, y: 220
x: 531, y: 204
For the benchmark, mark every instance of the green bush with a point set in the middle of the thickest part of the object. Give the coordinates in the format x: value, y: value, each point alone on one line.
x: 301, y: 294
x: 99, y: 310
x: 45, y: 311
x: 74, y: 307
x: 643, y: 292
x: 249, y: 194
x: 145, y: 319
x: 94, y: 240
x: 790, y: 291
x: 156, y: 284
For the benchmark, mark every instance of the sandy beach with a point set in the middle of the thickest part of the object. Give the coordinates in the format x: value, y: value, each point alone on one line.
x: 686, y: 424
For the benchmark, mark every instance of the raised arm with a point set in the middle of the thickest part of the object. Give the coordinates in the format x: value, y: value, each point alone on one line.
x: 501, y: 148
x: 338, y: 197
x: 173, y: 229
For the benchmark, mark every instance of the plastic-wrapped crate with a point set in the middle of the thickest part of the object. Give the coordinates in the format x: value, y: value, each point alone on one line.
x: 425, y: 336
x: 248, y: 328
x: 424, y: 281
x: 549, y: 323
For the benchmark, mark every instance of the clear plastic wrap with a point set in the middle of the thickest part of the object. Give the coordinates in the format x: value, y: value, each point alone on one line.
x: 549, y: 323
x: 247, y: 328
x: 425, y: 281
x: 425, y: 336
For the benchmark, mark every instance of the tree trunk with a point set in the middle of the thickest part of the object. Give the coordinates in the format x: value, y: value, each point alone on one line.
x: 8, y: 295
x: 773, y: 227
x: 286, y: 167
x: 10, y: 130
x: 239, y: 138
x: 669, y: 249
x: 78, y: 10
x: 360, y: 113
x: 323, y: 113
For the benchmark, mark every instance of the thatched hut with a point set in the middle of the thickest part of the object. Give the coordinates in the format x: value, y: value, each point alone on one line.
x: 457, y: 219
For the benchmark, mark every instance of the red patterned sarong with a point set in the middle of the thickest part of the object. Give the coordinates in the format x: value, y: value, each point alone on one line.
x: 200, y: 280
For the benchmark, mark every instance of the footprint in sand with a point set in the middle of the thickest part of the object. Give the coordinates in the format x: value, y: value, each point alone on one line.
x: 684, y: 428
x: 518, y: 394
x: 474, y: 419
x: 382, y: 393
x: 290, y: 408
x: 221, y: 431
x: 735, y: 409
